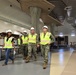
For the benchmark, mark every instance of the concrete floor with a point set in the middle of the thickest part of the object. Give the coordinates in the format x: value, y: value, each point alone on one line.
x: 22, y: 68
x: 70, y: 68
x: 59, y: 64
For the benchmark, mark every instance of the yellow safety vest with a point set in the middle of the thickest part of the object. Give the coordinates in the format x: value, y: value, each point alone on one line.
x: 8, y: 44
x: 24, y: 40
x: 32, y: 38
x: 45, y: 40
x: 19, y: 41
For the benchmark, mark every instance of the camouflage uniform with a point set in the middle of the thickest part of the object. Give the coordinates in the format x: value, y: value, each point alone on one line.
x: 32, y: 47
x: 45, y: 41
x: 44, y: 50
x: 25, y: 45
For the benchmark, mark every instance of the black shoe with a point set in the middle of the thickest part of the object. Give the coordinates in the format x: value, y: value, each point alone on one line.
x: 4, y: 65
x: 12, y: 61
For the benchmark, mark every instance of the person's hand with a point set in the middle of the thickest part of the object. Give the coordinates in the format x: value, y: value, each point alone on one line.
x: 49, y: 43
x: 38, y: 45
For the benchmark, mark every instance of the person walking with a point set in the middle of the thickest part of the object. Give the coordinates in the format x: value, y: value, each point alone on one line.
x: 19, y: 44
x: 8, y: 45
x: 45, y: 41
x: 32, y: 44
x: 25, y: 44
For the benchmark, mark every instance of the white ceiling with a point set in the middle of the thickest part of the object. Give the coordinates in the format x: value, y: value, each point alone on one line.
x: 16, y: 16
x: 65, y: 29
x: 14, y: 2
x: 13, y: 14
x: 6, y: 26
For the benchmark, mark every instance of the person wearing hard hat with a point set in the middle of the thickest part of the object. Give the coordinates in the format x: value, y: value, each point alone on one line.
x: 32, y: 42
x: 20, y: 44
x: 45, y: 41
x: 8, y: 45
x: 25, y: 44
x: 19, y: 41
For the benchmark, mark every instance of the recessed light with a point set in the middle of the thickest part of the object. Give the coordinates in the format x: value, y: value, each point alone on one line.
x: 15, y: 32
x: 15, y: 26
x: 5, y: 22
x: 41, y: 20
x: 22, y: 28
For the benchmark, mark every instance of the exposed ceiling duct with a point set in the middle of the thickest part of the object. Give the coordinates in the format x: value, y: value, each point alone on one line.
x: 69, y: 19
x: 58, y: 12
x: 71, y: 11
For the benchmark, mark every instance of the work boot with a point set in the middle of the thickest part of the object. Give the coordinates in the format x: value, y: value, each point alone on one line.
x: 24, y: 58
x: 12, y: 61
x: 44, y: 65
x: 27, y: 59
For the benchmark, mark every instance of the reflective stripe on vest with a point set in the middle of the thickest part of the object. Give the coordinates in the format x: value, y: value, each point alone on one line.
x: 32, y: 38
x: 25, y: 40
x: 8, y: 44
x: 45, y: 40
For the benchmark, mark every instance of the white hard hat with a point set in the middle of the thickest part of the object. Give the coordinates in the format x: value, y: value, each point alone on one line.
x: 32, y: 28
x: 45, y: 27
x: 24, y: 31
x: 9, y: 31
x: 20, y: 34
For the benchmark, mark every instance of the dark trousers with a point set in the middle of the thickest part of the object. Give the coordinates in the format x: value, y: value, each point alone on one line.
x: 25, y: 50
x: 8, y: 55
x: 20, y: 49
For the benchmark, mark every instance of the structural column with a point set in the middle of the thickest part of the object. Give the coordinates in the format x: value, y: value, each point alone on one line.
x: 52, y: 29
x: 35, y: 13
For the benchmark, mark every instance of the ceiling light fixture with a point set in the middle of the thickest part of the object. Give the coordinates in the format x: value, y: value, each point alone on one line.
x: 15, y: 32
x: 15, y: 26
x: 73, y: 33
x: 68, y: 9
x: 22, y: 28
x: 61, y: 34
x: 41, y: 20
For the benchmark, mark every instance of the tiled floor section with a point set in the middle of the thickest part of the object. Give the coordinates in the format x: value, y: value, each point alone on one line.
x: 59, y: 61
x: 70, y: 69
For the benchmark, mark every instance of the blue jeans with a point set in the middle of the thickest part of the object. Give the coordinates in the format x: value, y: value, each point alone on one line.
x: 8, y: 55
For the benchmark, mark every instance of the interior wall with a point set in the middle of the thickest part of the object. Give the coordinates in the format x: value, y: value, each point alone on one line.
x: 5, y: 26
x: 71, y: 39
